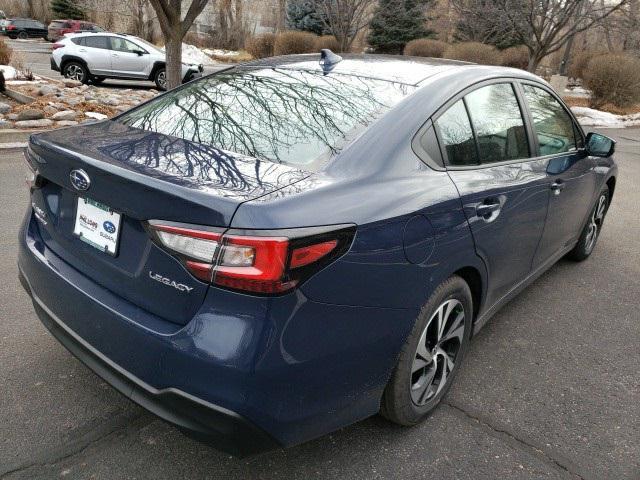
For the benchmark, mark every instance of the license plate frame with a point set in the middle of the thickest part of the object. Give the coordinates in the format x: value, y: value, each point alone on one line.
x: 97, y: 225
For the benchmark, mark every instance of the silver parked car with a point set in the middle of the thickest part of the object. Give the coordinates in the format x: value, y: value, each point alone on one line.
x: 93, y: 57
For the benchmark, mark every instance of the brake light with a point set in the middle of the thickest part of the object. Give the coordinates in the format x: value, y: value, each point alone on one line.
x: 252, y: 262
x: 11, y: 27
x: 55, y: 46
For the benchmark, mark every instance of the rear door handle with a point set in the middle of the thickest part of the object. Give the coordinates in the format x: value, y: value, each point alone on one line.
x: 487, y: 210
x: 557, y: 186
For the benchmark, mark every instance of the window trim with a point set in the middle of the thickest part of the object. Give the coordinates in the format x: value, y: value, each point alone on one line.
x: 463, y: 93
x: 572, y: 117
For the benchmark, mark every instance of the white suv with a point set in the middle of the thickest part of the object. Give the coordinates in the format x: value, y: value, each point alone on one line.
x: 92, y: 57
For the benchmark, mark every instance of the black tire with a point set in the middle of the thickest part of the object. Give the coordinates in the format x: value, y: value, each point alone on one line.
x: 76, y: 71
x: 399, y: 403
x: 160, y: 78
x: 23, y: 35
x: 591, y: 231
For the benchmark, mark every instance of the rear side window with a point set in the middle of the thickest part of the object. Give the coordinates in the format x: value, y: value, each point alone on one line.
x: 551, y: 122
x: 496, y: 117
x: 97, y: 42
x: 79, y: 41
x: 456, y: 136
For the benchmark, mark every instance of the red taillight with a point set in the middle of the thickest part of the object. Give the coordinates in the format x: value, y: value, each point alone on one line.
x: 305, y: 255
x: 257, y: 264
x: 11, y: 27
x: 55, y: 46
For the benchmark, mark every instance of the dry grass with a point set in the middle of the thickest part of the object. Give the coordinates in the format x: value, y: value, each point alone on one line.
x: 613, y: 79
x: 5, y: 53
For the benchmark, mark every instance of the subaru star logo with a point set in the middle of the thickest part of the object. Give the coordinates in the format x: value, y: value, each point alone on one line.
x: 109, y: 227
x: 79, y: 179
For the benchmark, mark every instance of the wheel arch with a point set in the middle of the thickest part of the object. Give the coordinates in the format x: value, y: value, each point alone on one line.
x: 473, y: 278
x: 157, y: 65
x: 611, y: 183
x: 72, y: 58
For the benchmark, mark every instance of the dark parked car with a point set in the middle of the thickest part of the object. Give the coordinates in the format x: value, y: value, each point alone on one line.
x: 59, y: 28
x: 23, y: 28
x: 280, y: 249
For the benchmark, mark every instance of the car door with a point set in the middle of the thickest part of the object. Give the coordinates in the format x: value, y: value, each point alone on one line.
x: 504, y: 192
x: 570, y: 171
x: 95, y: 50
x: 127, y: 58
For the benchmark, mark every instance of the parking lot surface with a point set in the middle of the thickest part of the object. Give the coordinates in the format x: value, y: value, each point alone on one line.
x: 550, y: 388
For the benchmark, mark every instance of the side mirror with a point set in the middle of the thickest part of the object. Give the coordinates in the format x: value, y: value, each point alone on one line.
x: 140, y: 52
x: 599, y: 145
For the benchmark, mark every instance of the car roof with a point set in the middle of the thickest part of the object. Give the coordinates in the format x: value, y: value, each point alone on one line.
x: 393, y: 68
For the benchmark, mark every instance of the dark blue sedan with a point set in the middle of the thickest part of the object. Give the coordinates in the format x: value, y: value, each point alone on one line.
x: 275, y: 251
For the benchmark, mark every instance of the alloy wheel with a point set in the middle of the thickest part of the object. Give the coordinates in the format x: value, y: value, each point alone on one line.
x: 595, y: 222
x: 162, y: 79
x: 437, y: 351
x: 74, y: 72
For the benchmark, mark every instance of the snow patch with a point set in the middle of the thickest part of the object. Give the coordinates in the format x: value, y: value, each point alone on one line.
x: 597, y: 118
x: 220, y: 53
x: 9, y: 72
x: 192, y: 54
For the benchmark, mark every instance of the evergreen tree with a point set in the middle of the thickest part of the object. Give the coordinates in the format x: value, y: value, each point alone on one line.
x: 397, y: 22
x: 302, y: 15
x: 66, y: 9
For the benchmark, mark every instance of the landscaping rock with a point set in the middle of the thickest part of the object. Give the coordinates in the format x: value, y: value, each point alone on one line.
x: 95, y: 115
x: 49, y: 110
x: 12, y: 116
x: 5, y: 107
x: 47, y: 90
x: 42, y: 123
x: 64, y: 115
x: 72, y: 83
x: 113, y: 101
x: 66, y: 123
x: 74, y: 101
x: 5, y: 124
x: 30, y: 114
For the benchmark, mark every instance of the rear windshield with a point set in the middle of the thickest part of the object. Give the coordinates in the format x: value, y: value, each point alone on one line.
x: 282, y: 115
x: 59, y: 24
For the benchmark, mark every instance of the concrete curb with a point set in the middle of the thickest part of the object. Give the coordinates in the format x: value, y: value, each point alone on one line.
x: 13, y: 135
x: 18, y: 97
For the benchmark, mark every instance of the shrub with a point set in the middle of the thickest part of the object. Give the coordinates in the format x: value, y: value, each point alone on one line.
x: 292, y: 42
x: 613, y: 79
x: 579, y: 62
x: 473, y: 52
x: 425, y: 47
x: 261, y: 46
x: 5, y: 53
x: 516, y: 57
x: 326, y: 41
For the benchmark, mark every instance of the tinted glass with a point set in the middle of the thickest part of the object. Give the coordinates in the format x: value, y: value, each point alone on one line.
x: 97, y: 42
x: 454, y: 130
x: 498, y: 122
x: 552, y: 124
x: 79, y: 41
x: 284, y: 115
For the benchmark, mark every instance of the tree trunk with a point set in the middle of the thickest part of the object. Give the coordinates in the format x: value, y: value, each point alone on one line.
x: 173, y: 50
x: 534, y: 61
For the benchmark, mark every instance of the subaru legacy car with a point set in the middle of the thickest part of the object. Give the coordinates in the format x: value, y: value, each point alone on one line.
x: 94, y: 57
x: 283, y: 248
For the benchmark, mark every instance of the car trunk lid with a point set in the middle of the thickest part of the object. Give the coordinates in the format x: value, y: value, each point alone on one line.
x: 141, y: 176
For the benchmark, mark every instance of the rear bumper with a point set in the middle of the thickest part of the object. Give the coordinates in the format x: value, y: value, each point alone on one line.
x: 209, y: 423
x: 54, y: 66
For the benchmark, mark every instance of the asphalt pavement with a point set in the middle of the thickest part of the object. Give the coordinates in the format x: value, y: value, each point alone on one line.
x: 549, y: 390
